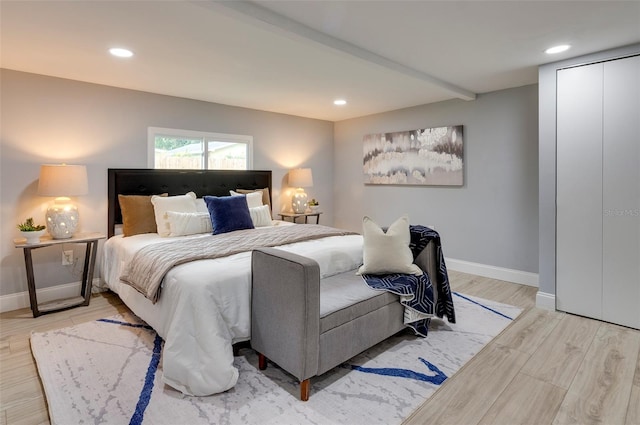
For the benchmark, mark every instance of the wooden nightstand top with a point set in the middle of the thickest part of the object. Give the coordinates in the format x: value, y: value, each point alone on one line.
x: 309, y: 214
x: 47, y: 240
x: 293, y: 216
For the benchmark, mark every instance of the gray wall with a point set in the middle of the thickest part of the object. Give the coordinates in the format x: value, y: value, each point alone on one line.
x: 493, y: 218
x: 52, y: 120
x: 547, y: 153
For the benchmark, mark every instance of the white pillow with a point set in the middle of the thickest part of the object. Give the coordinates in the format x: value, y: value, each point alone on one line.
x: 163, y: 204
x: 389, y: 252
x: 201, y: 207
x: 254, y: 199
x: 261, y: 216
x: 183, y: 224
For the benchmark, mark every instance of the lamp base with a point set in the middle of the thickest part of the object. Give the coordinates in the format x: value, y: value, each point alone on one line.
x: 299, y: 202
x: 62, y: 220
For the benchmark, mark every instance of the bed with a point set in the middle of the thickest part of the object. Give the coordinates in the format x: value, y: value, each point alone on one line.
x: 204, y: 306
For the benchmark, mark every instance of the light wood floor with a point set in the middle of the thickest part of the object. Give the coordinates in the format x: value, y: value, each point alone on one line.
x: 545, y: 368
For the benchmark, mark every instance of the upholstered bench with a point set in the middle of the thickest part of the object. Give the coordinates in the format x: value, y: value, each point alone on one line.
x: 307, y: 325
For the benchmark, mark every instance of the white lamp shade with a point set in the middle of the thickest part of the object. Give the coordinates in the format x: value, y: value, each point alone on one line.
x: 300, y: 177
x: 63, y: 180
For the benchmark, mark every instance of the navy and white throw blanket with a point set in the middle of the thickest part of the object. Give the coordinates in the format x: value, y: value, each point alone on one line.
x: 416, y: 292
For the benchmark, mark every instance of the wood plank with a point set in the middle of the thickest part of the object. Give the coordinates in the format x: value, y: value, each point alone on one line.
x: 469, y: 395
x: 498, y: 290
x: 22, y: 322
x: 633, y: 412
x: 601, y: 389
x: 20, y: 393
x: 525, y: 401
x: 558, y: 358
x: 528, y: 332
x: 524, y: 296
x: 15, y: 368
x: 32, y: 412
x: 87, y: 314
x: 20, y: 343
x: 5, y: 346
x: 60, y: 304
x: 506, y: 292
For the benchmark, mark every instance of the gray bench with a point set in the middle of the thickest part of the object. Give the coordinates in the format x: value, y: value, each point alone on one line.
x: 305, y: 325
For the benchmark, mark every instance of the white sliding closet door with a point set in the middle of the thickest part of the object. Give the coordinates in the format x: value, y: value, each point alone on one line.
x: 598, y: 191
x: 579, y: 191
x: 621, y: 192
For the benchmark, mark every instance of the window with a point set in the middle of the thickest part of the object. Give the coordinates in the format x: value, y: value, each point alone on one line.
x: 186, y: 149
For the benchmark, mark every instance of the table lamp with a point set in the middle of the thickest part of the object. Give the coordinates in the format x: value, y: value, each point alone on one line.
x: 62, y: 181
x: 299, y: 178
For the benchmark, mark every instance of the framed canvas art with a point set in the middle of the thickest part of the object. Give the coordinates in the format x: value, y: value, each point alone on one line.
x: 424, y: 157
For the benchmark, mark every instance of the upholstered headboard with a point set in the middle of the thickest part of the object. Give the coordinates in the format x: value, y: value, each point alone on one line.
x: 123, y: 181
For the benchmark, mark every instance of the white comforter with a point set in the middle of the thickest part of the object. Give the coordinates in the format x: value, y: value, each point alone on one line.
x: 205, y: 305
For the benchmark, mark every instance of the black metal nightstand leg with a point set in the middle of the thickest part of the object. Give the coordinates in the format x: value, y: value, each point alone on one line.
x: 31, y: 282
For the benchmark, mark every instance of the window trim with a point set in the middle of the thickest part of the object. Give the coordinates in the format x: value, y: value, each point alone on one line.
x: 152, y: 132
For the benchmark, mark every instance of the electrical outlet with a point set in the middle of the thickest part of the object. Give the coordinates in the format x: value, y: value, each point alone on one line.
x: 67, y: 258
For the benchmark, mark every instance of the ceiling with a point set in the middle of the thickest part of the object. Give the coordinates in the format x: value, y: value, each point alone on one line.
x: 296, y: 57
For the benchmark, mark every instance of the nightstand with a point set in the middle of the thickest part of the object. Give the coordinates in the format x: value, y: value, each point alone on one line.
x: 91, y: 240
x: 293, y: 216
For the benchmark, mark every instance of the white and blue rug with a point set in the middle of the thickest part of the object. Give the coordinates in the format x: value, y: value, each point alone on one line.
x: 107, y: 371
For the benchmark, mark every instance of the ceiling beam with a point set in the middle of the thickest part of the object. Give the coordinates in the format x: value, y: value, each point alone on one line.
x: 254, y: 13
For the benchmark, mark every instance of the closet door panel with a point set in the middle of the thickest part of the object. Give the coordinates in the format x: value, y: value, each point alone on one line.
x: 621, y: 192
x: 579, y: 191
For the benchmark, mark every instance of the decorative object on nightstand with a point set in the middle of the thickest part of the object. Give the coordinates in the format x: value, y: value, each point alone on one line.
x: 30, y: 231
x: 300, y: 178
x: 314, y: 206
x: 62, y: 181
x: 91, y: 241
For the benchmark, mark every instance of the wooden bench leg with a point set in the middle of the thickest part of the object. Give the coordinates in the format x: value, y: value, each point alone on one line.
x: 262, y: 361
x: 305, y: 387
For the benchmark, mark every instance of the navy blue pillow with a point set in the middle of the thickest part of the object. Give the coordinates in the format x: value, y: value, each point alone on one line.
x: 228, y: 213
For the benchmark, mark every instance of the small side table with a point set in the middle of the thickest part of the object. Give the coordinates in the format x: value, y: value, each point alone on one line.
x: 293, y: 216
x: 91, y: 240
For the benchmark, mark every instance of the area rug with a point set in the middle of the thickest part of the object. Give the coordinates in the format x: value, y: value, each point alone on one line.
x: 108, y: 371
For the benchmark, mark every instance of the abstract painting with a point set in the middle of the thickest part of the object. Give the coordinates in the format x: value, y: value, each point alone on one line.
x: 424, y: 157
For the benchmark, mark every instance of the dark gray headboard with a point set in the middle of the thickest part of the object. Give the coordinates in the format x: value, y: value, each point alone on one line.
x: 135, y: 181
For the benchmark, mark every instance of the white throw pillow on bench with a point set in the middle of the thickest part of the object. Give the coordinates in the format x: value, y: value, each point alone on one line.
x: 386, y: 253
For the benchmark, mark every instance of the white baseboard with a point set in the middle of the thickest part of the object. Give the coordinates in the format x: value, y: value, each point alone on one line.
x: 21, y: 299
x: 500, y: 273
x: 546, y: 301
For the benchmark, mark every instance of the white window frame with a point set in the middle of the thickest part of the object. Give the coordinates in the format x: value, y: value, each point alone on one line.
x: 152, y: 132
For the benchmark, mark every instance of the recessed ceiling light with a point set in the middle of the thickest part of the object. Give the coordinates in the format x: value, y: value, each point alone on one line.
x: 557, y: 49
x: 339, y: 102
x: 121, y: 53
